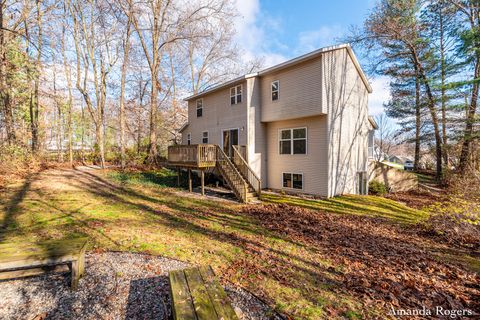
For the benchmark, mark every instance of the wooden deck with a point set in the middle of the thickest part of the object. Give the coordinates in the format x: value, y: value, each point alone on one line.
x: 195, y: 156
x: 235, y: 170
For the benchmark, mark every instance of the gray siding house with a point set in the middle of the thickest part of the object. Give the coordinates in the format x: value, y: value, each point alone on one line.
x: 301, y: 126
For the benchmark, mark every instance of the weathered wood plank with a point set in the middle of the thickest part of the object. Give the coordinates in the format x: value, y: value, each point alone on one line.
x: 217, y: 294
x: 183, y: 308
x: 32, y: 271
x: 46, y: 243
x: 75, y: 275
x: 34, y: 258
x: 9, y: 252
x: 201, y: 300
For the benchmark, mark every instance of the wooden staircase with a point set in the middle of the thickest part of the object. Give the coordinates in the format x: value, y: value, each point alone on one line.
x: 237, y: 177
x: 245, y: 184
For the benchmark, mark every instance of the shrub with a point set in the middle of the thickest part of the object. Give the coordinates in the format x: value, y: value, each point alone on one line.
x: 377, y: 188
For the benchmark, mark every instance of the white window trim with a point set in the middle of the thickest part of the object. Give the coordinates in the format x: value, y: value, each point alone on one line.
x: 291, y: 141
x: 272, y: 91
x: 208, y: 137
x: 189, y: 138
x: 236, y: 94
x: 196, y: 110
x: 292, y: 188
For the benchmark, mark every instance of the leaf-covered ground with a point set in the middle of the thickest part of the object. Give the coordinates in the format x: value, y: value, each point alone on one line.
x: 382, y: 264
x: 347, y: 257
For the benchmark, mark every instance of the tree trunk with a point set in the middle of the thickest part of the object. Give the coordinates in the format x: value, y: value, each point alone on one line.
x: 152, y: 148
x: 126, y: 51
x: 68, y: 75
x: 34, y: 104
x: 443, y: 90
x: 433, y: 112
x: 4, y: 94
x: 417, y: 122
x: 471, y: 112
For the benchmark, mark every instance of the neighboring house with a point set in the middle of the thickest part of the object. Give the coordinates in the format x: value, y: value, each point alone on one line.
x: 396, y: 159
x: 301, y: 126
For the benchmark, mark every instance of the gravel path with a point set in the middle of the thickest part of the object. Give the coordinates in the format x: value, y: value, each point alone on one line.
x: 115, y: 286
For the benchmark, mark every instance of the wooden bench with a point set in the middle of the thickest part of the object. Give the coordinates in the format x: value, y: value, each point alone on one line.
x: 198, y: 295
x: 29, y: 259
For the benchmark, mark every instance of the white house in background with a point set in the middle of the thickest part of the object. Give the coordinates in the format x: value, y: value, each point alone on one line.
x: 303, y: 125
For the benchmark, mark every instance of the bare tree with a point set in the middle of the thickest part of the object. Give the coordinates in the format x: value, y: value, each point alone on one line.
x: 94, y: 53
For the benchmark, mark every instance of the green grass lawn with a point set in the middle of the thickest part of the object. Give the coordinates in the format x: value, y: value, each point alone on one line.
x: 142, y: 212
x: 372, y: 206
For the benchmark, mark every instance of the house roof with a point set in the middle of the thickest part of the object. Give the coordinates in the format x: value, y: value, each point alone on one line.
x: 373, y: 122
x: 183, y: 127
x: 286, y: 64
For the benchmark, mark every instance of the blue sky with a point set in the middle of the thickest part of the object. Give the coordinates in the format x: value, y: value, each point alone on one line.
x: 278, y: 30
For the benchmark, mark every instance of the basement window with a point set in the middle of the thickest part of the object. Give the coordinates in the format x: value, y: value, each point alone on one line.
x: 275, y: 90
x: 293, y: 180
x: 236, y: 95
x: 362, y: 182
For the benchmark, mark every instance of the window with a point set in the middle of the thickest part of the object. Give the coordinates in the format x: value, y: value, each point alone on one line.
x: 293, y: 180
x: 205, y: 137
x: 293, y: 141
x: 189, y: 138
x: 236, y: 95
x: 199, y: 108
x: 371, y: 143
x: 275, y: 90
x: 362, y: 182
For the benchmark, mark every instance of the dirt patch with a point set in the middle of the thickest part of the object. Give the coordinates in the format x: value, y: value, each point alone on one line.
x: 384, y: 265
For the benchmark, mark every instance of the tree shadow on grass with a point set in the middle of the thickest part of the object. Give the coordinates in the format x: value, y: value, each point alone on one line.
x: 13, y: 206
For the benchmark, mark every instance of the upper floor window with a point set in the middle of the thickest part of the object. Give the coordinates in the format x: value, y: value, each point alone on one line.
x: 205, y: 137
x: 199, y: 108
x: 293, y: 141
x: 275, y: 90
x: 236, y: 94
x: 189, y: 138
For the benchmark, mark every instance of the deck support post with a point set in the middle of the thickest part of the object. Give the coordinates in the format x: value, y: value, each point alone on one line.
x: 202, y: 174
x: 178, y: 177
x: 190, y: 180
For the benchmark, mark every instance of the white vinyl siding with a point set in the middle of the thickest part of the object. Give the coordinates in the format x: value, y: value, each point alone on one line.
x: 313, y: 165
x: 301, y: 94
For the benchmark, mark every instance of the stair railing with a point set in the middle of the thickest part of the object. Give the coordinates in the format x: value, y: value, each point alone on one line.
x: 247, y: 172
x: 234, y: 179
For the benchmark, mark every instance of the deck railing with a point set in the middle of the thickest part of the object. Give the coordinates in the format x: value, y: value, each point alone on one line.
x: 197, y: 155
x: 245, y: 170
x: 235, y: 170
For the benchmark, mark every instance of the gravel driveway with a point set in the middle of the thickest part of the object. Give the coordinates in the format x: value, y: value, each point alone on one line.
x: 115, y: 286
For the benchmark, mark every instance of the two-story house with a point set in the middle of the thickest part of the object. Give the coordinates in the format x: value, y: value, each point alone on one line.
x: 300, y: 126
